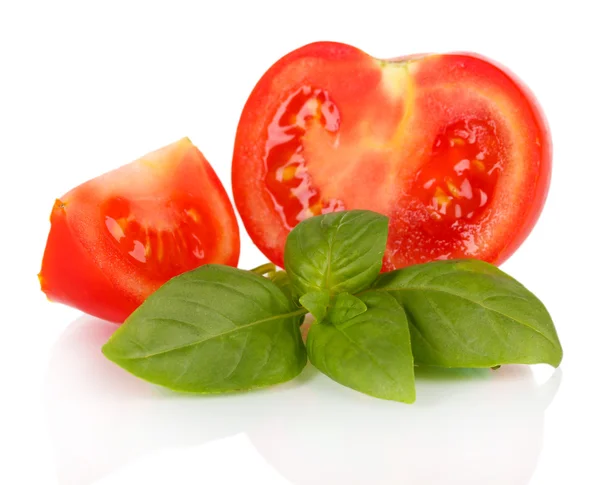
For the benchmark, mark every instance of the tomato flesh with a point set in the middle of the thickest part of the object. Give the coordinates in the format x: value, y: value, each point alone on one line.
x: 450, y: 193
x: 287, y: 179
x: 453, y: 148
x: 461, y: 175
x: 115, y: 239
x: 162, y: 246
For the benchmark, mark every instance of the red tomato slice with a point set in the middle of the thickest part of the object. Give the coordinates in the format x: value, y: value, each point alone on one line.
x: 115, y: 239
x: 453, y: 148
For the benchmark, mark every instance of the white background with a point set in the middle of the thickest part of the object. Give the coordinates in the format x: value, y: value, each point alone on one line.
x: 84, y: 89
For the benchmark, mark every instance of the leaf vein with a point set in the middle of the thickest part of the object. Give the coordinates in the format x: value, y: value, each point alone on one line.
x: 420, y: 288
x: 221, y: 335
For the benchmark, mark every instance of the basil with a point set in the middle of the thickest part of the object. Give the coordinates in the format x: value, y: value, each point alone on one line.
x: 369, y: 352
x: 468, y: 313
x: 218, y: 329
x: 337, y: 252
x: 212, y: 329
x: 345, y: 307
x: 316, y: 302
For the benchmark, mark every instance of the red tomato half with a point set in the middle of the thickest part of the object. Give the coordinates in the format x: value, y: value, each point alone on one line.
x: 453, y: 148
x: 115, y: 239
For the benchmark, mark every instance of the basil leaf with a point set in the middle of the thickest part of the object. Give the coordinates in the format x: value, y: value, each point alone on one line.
x: 344, y: 307
x: 467, y: 313
x: 316, y: 303
x: 213, y: 329
x: 370, y: 352
x: 337, y: 252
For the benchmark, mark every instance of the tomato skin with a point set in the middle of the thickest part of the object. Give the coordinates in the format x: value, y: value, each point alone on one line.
x: 69, y: 275
x: 391, y: 114
x: 172, y: 197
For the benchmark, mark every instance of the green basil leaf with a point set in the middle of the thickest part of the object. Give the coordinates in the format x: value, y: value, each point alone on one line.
x: 316, y: 303
x: 336, y: 252
x: 345, y: 307
x: 210, y: 330
x: 467, y: 313
x: 370, y: 352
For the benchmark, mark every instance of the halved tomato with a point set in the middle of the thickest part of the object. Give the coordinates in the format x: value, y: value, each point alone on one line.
x: 453, y: 148
x: 116, y: 238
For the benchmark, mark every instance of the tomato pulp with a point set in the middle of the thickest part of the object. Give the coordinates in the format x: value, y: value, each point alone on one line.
x: 452, y: 147
x: 116, y: 238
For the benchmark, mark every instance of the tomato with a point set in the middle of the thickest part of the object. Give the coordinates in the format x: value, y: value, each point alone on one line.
x: 116, y: 238
x: 453, y: 148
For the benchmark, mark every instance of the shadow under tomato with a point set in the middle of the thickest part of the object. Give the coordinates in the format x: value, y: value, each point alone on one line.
x: 467, y: 426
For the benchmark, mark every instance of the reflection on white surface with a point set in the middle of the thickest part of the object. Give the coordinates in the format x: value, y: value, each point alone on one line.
x: 467, y: 427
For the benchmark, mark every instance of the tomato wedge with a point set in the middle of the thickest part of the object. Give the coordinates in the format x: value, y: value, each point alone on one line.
x: 453, y: 148
x: 116, y: 238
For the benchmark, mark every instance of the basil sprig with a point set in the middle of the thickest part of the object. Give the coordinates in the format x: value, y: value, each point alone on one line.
x: 217, y: 329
